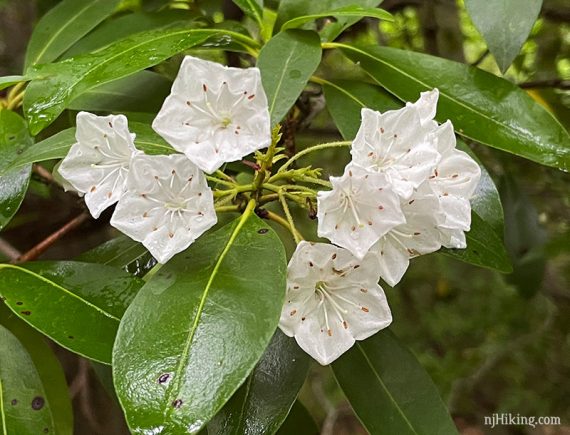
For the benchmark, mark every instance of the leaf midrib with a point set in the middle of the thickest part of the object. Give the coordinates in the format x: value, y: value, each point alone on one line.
x: 390, y: 396
x: 59, y: 287
x: 281, y: 79
x: 190, y: 336
x: 2, y: 411
x: 61, y: 29
x: 243, y: 406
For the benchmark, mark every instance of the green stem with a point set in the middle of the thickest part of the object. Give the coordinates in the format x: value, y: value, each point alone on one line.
x: 285, y: 206
x: 227, y: 208
x: 311, y: 149
x: 220, y: 181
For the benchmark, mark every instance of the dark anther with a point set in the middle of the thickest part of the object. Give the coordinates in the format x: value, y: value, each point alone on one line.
x: 38, y: 403
x: 312, y: 209
x: 177, y: 403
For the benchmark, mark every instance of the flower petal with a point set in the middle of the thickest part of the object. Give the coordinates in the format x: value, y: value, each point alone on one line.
x: 168, y: 204
x: 215, y: 114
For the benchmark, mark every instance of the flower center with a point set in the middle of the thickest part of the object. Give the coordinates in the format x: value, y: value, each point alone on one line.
x: 225, y: 122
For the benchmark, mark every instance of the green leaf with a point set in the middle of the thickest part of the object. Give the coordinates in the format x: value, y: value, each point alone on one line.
x: 252, y: 8
x: 77, y: 305
x: 144, y: 91
x: 14, y: 140
x: 57, y: 146
x: 198, y: 327
x: 525, y: 238
x: 118, y: 252
x: 483, y: 107
x: 24, y: 408
x: 287, y: 62
x: 349, y: 11
x: 118, y: 28
x: 261, y: 405
x: 505, y: 25
x: 7, y: 81
x: 56, y: 85
x: 64, y: 25
x: 299, y: 422
x: 485, y: 247
x: 389, y: 390
x: 48, y: 367
x: 346, y: 98
x: 290, y: 9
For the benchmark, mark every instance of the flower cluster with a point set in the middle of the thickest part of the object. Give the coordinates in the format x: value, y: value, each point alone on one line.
x: 213, y: 115
x: 405, y: 193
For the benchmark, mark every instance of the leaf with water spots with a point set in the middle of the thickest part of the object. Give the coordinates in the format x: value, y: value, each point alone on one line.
x: 198, y: 327
x: 287, y: 62
x: 78, y: 305
x: 389, y: 390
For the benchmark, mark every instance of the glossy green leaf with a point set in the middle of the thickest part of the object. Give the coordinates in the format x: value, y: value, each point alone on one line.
x: 299, y: 422
x: 57, y: 146
x: 389, y: 390
x: 346, y: 98
x: 485, y: 247
x: 287, y: 62
x: 252, y: 8
x: 198, y: 327
x: 486, y: 201
x: 144, y: 91
x: 121, y: 27
x: 7, y: 81
x: 56, y: 85
x: 290, y: 9
x: 23, y: 405
x: 483, y: 107
x: 505, y: 25
x: 348, y: 11
x: 64, y: 25
x: 525, y: 238
x: 118, y: 252
x: 78, y: 305
x: 262, y: 403
x: 14, y: 140
x: 48, y: 367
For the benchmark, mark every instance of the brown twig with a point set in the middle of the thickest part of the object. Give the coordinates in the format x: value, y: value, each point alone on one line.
x: 552, y: 83
x: 43, y: 173
x: 8, y: 250
x: 45, y: 244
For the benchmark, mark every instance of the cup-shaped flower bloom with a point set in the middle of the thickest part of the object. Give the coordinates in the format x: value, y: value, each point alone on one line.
x: 359, y: 210
x: 399, y: 143
x: 418, y: 236
x: 215, y: 114
x: 167, y: 205
x: 98, y: 163
x: 332, y: 299
x: 454, y: 181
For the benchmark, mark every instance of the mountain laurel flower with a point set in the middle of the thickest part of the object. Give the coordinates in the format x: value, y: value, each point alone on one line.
x: 98, y: 163
x: 167, y: 205
x: 418, y: 236
x: 454, y: 180
x: 399, y: 143
x: 332, y: 299
x: 215, y: 114
x: 359, y: 210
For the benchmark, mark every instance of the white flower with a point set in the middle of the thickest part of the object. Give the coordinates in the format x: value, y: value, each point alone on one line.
x: 418, y: 236
x: 359, y: 210
x: 454, y: 181
x: 98, y: 164
x: 215, y: 114
x: 332, y: 300
x: 399, y: 143
x: 167, y: 205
